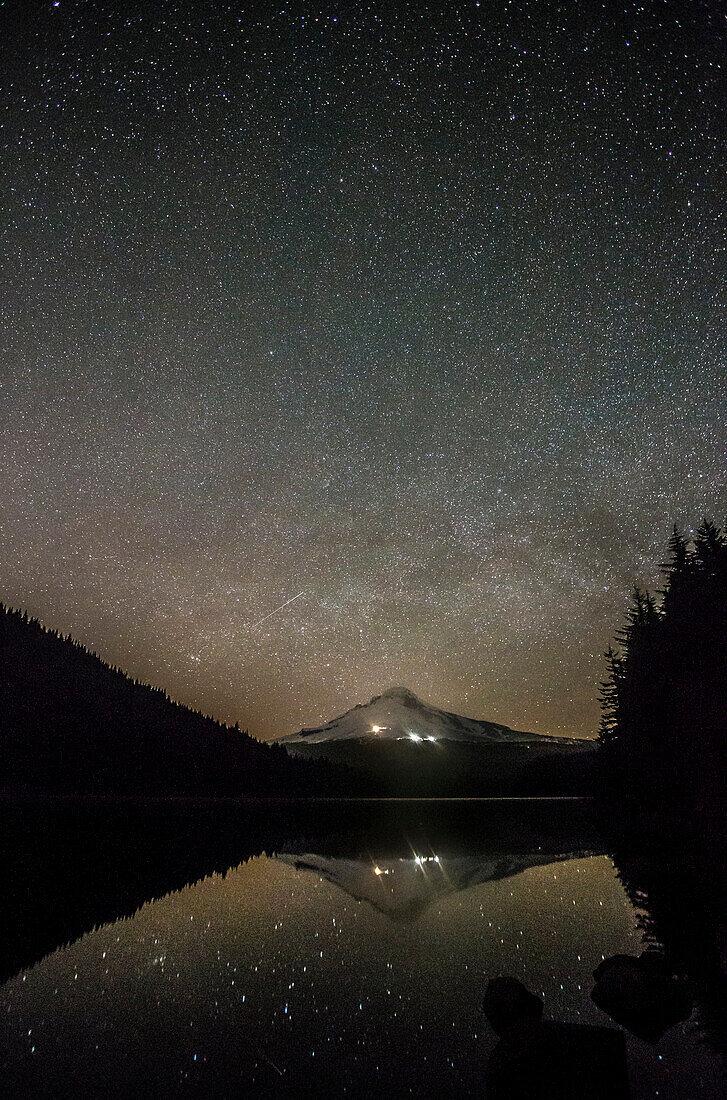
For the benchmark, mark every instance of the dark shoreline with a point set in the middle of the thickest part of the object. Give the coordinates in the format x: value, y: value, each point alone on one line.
x: 271, y: 800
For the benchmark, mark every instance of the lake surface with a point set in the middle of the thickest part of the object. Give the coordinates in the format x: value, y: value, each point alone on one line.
x: 348, y: 955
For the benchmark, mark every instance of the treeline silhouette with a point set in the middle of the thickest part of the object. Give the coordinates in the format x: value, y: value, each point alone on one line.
x: 460, y: 769
x: 664, y: 703
x: 72, y: 724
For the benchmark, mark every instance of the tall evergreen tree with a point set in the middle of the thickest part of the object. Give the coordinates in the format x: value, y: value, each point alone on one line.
x: 664, y: 700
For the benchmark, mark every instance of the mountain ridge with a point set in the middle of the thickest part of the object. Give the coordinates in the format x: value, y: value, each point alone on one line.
x: 398, y: 714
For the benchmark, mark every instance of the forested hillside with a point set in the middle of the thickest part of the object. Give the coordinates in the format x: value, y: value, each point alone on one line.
x: 69, y: 723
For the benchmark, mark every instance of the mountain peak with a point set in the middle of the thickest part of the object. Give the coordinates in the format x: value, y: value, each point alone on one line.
x: 399, y: 715
x: 402, y: 695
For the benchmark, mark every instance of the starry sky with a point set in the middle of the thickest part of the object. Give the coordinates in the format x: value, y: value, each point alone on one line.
x: 416, y: 309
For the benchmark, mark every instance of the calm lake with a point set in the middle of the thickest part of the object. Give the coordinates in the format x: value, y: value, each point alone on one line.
x: 343, y: 948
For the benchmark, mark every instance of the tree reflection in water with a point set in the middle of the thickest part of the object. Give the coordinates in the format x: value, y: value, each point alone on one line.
x: 677, y: 882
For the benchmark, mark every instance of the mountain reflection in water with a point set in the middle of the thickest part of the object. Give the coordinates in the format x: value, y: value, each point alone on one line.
x: 69, y: 866
x: 402, y: 889
x: 272, y: 973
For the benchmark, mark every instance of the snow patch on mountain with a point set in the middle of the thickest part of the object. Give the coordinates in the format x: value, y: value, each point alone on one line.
x: 398, y: 714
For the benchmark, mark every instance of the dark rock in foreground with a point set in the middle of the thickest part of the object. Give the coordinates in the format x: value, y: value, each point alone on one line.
x: 641, y: 994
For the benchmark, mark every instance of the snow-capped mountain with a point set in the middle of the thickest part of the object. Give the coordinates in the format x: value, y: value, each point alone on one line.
x: 398, y: 714
x: 403, y: 889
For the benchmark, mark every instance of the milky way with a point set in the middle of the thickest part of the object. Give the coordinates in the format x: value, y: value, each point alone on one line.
x: 417, y: 309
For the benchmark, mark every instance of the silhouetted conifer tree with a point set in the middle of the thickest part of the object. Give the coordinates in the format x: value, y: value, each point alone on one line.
x: 664, y: 701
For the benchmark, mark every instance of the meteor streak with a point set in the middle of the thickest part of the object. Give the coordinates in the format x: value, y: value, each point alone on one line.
x: 277, y: 609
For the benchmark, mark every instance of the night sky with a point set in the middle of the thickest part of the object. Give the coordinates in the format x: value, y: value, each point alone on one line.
x: 416, y: 309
